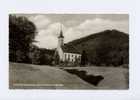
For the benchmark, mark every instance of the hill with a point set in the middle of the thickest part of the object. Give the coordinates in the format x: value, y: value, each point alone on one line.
x: 109, y: 47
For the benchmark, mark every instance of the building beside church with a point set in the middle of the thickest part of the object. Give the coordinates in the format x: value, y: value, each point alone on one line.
x: 66, y: 52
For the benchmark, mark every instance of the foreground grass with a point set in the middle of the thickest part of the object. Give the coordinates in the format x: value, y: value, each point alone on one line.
x: 114, y: 77
x: 49, y: 77
x: 43, y: 77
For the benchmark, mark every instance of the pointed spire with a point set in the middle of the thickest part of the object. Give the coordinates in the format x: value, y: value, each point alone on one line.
x: 61, y: 32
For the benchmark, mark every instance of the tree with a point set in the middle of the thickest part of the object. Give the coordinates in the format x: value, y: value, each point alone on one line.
x: 56, y: 58
x: 34, y: 54
x: 42, y: 58
x: 21, y: 34
x: 84, y: 59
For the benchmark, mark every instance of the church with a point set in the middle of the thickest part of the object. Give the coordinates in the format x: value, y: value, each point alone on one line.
x: 66, y: 52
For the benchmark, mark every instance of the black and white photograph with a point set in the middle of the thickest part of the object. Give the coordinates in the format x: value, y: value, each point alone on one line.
x: 69, y: 51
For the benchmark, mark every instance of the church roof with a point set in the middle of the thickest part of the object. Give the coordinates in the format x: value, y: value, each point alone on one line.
x: 70, y: 49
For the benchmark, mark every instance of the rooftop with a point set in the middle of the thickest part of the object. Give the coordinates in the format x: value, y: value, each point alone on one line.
x: 70, y: 49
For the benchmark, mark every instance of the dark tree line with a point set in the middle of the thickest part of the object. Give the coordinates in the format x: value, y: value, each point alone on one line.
x: 21, y: 37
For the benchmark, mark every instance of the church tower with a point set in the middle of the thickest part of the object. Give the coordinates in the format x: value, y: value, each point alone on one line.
x: 60, y: 39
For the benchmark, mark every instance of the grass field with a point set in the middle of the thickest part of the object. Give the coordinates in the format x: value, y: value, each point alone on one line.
x: 114, y: 78
x: 28, y: 76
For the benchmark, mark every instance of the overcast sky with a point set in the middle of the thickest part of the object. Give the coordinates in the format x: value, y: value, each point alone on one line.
x: 74, y: 26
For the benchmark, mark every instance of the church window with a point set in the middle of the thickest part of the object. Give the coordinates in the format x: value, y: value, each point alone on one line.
x: 68, y: 56
x: 75, y: 56
x: 72, y: 60
x: 65, y: 55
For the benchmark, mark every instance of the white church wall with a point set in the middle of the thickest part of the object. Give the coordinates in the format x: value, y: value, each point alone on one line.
x: 60, y: 42
x: 60, y: 53
x: 71, y: 56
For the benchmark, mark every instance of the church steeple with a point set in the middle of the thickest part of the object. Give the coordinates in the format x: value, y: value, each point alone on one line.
x: 61, y: 38
x: 61, y: 34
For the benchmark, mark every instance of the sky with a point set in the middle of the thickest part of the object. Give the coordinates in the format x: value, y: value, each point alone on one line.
x: 74, y: 26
